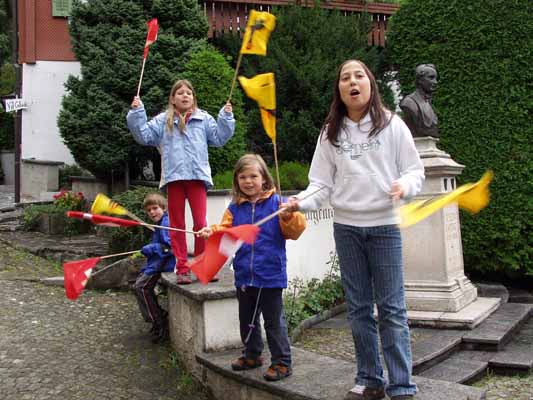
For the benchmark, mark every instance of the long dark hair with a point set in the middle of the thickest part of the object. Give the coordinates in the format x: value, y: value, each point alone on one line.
x: 379, y: 115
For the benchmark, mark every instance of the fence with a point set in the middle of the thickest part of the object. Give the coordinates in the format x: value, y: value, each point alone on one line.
x: 231, y: 15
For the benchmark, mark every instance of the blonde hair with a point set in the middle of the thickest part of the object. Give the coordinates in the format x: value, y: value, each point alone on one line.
x: 155, y: 199
x: 171, y: 110
x: 245, y: 162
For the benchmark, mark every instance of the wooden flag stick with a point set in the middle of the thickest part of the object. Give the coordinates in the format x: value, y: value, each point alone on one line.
x: 141, y: 79
x: 136, y: 218
x: 120, y: 254
x: 168, y: 228
x: 235, y: 76
x: 277, y: 167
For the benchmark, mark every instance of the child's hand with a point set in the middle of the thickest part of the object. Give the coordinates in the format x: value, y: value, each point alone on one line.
x: 204, y: 233
x: 292, y: 204
x: 228, y: 107
x: 136, y: 103
x: 397, y: 191
x: 285, y: 215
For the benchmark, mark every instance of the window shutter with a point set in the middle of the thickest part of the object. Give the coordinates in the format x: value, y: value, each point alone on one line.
x: 61, y: 8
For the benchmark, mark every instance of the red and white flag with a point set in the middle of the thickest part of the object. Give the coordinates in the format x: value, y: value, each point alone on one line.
x: 151, y: 36
x: 76, y: 274
x: 219, y: 247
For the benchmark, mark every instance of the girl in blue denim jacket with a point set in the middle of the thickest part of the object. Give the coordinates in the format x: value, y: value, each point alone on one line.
x: 261, y: 268
x: 182, y: 135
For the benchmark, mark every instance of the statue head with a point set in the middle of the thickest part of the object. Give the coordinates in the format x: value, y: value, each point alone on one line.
x: 426, y: 78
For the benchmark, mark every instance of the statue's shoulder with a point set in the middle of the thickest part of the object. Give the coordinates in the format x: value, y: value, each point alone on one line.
x: 409, y: 101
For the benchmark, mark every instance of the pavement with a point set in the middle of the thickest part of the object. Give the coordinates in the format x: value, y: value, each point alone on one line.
x: 98, y: 347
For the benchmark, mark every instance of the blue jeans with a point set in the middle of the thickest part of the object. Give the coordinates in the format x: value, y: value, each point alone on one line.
x: 370, y: 260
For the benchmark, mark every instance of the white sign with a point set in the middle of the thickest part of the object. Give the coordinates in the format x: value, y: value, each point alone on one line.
x: 15, y: 104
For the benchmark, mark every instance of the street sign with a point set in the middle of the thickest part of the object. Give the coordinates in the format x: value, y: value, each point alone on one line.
x: 15, y: 104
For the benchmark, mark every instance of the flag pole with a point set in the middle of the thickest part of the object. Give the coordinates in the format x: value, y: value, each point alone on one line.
x: 136, y: 218
x: 141, y: 79
x: 277, y: 167
x: 235, y: 76
x: 119, y: 254
x: 275, y: 213
x: 168, y: 228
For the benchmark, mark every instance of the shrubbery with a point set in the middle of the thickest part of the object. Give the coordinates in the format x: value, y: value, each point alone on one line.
x: 482, y: 51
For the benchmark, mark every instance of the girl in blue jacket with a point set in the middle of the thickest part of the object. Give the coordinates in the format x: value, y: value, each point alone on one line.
x: 182, y: 135
x: 159, y: 258
x: 261, y: 268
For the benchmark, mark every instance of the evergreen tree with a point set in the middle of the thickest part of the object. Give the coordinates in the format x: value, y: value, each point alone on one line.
x: 304, y: 52
x: 482, y: 51
x: 108, y: 38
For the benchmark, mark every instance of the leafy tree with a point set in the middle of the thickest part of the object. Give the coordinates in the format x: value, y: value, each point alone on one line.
x: 5, y: 32
x: 108, y: 38
x: 482, y: 51
x: 304, y: 52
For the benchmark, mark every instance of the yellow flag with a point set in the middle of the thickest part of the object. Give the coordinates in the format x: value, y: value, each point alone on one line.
x: 262, y: 88
x: 103, y: 204
x: 471, y: 197
x: 258, y: 28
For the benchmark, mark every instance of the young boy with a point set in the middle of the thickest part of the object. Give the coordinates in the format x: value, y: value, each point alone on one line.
x: 159, y: 258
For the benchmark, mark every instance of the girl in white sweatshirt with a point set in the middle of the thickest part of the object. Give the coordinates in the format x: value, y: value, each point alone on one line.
x: 365, y: 161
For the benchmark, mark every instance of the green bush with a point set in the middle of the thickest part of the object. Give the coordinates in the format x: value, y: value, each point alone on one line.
x: 212, y: 95
x: 482, y: 51
x: 293, y: 176
x: 305, y: 299
x: 304, y: 51
x: 127, y: 239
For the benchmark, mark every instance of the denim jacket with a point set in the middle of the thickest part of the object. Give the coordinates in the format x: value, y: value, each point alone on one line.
x: 183, y: 155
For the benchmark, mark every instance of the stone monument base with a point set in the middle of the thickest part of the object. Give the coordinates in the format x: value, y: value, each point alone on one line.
x: 467, y: 318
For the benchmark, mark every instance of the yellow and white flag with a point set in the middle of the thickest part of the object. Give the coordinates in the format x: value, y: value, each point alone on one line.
x: 471, y: 197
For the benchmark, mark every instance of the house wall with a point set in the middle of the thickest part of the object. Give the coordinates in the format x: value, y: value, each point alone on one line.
x: 43, y: 89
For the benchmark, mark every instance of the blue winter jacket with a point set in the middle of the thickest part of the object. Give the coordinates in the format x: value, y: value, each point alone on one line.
x: 264, y: 263
x: 158, y: 253
x: 183, y: 155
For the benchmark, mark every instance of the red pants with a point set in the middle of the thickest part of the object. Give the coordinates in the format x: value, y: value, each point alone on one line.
x: 196, y: 194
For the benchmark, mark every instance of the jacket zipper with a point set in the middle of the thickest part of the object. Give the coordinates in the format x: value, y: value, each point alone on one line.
x: 252, y: 254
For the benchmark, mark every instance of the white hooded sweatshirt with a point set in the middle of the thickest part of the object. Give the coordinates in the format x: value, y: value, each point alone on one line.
x: 359, y: 173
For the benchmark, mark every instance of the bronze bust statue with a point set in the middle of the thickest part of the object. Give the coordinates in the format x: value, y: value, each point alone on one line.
x: 418, y: 112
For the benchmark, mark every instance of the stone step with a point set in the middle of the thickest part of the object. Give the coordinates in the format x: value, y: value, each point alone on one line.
x: 315, y: 377
x: 496, y: 331
x: 432, y: 346
x: 456, y: 368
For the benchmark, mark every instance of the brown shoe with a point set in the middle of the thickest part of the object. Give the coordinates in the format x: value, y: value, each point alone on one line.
x: 277, y: 372
x: 184, y: 279
x: 242, y: 363
x: 359, y: 392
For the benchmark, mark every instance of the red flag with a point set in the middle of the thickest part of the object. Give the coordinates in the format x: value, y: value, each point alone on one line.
x: 219, y: 247
x: 151, y: 36
x: 102, y: 219
x: 76, y: 274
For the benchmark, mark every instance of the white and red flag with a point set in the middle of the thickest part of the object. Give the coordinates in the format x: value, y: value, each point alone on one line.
x: 151, y: 36
x: 76, y: 274
x: 103, y: 219
x: 219, y: 247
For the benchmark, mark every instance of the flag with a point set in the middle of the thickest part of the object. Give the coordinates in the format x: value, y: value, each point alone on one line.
x: 151, y: 36
x: 260, y: 25
x: 102, y: 219
x: 103, y: 204
x: 76, y: 274
x: 219, y: 247
x: 262, y: 88
x: 471, y: 197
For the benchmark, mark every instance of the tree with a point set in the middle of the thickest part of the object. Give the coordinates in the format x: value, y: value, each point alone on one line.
x: 108, y: 38
x: 482, y: 51
x: 304, y: 52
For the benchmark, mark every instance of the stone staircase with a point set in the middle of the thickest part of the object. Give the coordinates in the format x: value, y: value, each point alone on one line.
x: 11, y: 219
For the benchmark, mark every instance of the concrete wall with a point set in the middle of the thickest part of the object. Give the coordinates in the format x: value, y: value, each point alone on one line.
x: 7, y: 159
x: 43, y: 89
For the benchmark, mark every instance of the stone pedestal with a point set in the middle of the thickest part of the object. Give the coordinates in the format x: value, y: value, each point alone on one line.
x: 433, y: 255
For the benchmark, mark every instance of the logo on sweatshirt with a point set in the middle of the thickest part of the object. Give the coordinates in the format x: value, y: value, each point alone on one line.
x: 356, y: 150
